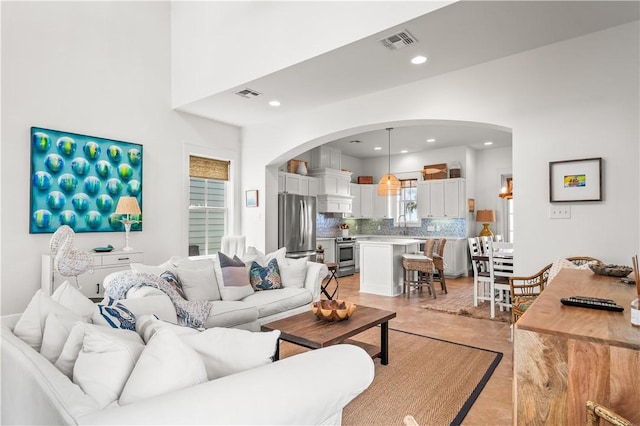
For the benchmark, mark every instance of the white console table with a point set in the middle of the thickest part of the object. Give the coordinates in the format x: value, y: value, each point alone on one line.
x: 90, y: 282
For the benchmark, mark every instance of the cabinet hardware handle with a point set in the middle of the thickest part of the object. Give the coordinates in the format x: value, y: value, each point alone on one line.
x: 97, y: 288
x: 123, y: 258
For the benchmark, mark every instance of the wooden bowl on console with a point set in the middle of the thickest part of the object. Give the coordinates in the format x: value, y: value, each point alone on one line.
x: 333, y: 310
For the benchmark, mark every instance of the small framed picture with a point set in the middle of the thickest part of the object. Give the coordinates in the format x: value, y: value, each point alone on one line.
x: 575, y: 180
x: 252, y: 198
x: 471, y: 204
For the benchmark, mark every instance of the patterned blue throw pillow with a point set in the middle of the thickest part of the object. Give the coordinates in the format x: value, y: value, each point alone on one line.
x: 117, y: 315
x: 265, y: 278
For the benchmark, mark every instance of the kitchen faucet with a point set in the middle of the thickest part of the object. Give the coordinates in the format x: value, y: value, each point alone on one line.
x: 404, y: 232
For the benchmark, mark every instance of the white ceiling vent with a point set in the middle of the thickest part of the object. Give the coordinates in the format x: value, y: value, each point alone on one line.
x: 398, y: 40
x: 248, y: 93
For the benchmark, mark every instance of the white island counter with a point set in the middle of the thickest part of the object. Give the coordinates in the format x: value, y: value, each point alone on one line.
x: 381, y: 264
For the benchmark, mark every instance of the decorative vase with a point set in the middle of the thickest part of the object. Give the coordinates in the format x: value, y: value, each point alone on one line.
x: 302, y: 168
x: 345, y: 232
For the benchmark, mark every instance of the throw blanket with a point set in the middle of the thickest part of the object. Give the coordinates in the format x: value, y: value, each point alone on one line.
x: 190, y: 313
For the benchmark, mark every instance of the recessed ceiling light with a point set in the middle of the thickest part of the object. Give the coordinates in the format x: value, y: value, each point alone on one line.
x: 274, y: 103
x: 419, y: 60
x: 431, y: 140
x: 404, y: 151
x: 488, y: 143
x: 378, y: 148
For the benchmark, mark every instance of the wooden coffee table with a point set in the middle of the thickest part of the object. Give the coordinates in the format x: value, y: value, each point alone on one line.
x: 307, y: 330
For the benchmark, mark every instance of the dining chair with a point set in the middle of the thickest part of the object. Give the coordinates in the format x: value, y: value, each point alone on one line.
x: 485, y: 246
x: 498, y: 238
x: 595, y: 412
x: 501, y: 269
x: 481, y: 275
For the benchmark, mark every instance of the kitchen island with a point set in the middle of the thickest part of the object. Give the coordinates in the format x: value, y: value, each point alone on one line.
x: 381, y: 264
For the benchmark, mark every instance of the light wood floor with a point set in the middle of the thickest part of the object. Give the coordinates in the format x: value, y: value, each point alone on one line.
x: 494, y: 405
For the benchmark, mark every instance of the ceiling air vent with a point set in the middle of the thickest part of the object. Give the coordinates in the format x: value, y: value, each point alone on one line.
x: 398, y: 40
x: 248, y: 93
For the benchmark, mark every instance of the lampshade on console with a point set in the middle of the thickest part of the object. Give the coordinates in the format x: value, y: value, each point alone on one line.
x: 485, y: 217
x: 128, y: 206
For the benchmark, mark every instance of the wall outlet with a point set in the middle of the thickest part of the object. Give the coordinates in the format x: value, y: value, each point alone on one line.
x: 356, y: 227
x: 378, y: 227
x: 431, y: 228
x: 560, y: 212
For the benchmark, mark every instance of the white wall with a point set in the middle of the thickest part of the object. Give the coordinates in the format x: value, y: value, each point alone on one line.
x: 490, y: 165
x: 575, y: 99
x: 103, y: 69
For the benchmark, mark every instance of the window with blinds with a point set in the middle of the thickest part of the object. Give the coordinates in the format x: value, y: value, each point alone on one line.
x: 208, y: 209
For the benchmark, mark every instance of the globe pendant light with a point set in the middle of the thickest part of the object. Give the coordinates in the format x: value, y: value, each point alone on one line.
x: 389, y: 184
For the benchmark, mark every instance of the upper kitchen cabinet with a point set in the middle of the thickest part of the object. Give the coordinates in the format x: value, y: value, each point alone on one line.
x: 334, y: 191
x: 442, y: 198
x: 362, y: 206
x: 297, y: 184
x: 323, y: 157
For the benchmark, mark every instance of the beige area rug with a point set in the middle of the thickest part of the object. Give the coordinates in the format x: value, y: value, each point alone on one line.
x: 459, y: 301
x: 434, y: 380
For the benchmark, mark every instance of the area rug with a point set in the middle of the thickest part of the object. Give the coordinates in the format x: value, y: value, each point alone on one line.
x: 459, y: 301
x: 434, y: 380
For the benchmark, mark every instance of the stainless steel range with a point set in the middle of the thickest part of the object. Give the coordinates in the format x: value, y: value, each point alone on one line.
x: 346, y: 256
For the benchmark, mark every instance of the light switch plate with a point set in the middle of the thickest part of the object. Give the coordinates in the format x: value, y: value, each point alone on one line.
x: 560, y: 212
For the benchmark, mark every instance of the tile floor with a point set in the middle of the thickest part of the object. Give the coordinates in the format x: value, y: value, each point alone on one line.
x: 494, y: 405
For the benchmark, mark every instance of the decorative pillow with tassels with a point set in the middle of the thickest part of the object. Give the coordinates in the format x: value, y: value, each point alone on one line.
x: 265, y: 278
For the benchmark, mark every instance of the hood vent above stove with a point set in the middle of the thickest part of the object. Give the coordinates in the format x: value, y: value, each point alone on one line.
x: 398, y: 40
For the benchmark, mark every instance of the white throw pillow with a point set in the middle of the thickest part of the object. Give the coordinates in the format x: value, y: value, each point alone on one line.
x: 199, y: 284
x: 105, y: 362
x: 561, y: 263
x: 151, y: 269
x: 166, y: 365
x: 71, y: 298
x: 30, y: 326
x: 114, y: 314
x: 227, y: 351
x: 55, y: 334
x: 293, y: 272
x: 148, y: 325
x: 73, y: 345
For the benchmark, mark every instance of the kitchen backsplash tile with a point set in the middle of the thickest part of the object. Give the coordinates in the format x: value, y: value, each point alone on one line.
x: 329, y: 226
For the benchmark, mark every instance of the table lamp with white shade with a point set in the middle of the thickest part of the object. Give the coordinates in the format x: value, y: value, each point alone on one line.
x: 128, y: 206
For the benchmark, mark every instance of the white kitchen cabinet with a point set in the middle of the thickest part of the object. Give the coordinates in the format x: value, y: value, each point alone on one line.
x: 367, y: 192
x: 91, y: 283
x: 455, y: 257
x: 293, y: 183
x: 324, y: 157
x: 334, y: 203
x: 355, y: 202
x: 380, y: 206
x: 332, y: 182
x: 441, y: 198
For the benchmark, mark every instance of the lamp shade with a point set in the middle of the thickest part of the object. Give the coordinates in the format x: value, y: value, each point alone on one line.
x: 485, y: 216
x: 389, y: 185
x: 128, y: 205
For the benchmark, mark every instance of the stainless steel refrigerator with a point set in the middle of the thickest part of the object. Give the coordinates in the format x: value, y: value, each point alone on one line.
x: 297, y: 224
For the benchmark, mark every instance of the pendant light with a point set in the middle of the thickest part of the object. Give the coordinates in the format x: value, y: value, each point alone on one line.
x: 389, y: 184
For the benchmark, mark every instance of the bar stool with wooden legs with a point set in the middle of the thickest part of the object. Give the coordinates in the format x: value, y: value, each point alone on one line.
x: 438, y: 264
x: 421, y: 267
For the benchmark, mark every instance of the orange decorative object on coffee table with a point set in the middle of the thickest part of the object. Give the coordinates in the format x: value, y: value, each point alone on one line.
x: 333, y: 310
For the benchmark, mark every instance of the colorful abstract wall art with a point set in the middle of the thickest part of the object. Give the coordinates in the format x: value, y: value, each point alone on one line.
x: 77, y: 180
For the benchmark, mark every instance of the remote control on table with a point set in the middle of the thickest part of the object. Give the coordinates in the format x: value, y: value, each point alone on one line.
x: 592, y: 302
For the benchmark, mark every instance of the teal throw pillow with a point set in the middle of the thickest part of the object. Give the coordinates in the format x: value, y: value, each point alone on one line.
x: 265, y: 277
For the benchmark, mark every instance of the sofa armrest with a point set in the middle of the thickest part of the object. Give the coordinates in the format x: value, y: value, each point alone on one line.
x: 291, y: 391
x: 316, y: 272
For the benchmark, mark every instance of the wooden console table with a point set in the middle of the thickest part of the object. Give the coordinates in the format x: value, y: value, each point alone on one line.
x: 565, y: 355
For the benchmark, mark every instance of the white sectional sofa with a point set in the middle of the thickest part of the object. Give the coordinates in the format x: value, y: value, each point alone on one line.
x: 201, y: 279
x: 36, y: 390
